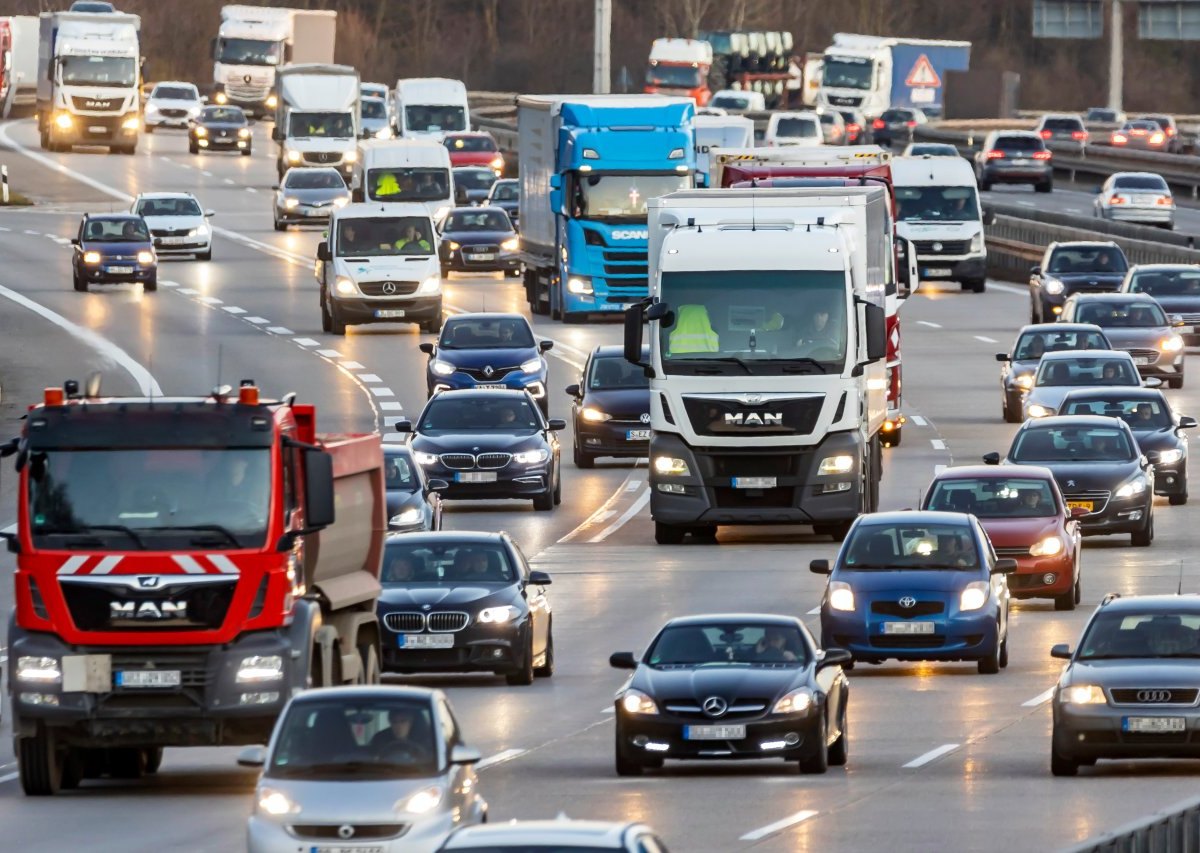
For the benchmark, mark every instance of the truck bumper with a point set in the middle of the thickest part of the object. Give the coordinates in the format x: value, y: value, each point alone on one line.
x: 93, y: 130
x: 713, y: 493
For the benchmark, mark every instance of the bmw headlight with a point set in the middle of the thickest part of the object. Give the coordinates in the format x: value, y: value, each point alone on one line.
x: 1132, y: 488
x: 275, y: 803
x: 974, y: 596
x: 1052, y: 286
x: 670, y: 466
x: 1037, y: 411
x: 424, y: 458
x: 497, y: 615
x: 841, y: 596
x: 442, y: 368
x: 637, y: 702
x: 345, y: 286
x: 1082, y: 694
x: 1023, y: 381
x: 1048, y: 547
x: 1169, y: 457
x: 795, y: 702
x: 409, y: 516
x: 422, y: 802
x: 531, y: 366
x: 595, y: 415
x: 511, y: 244
x: 531, y: 457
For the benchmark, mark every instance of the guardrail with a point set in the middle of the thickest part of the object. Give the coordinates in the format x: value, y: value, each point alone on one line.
x: 1173, y: 830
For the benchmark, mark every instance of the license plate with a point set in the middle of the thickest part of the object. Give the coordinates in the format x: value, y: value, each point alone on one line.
x: 1154, y: 725
x: 312, y: 212
x: 486, y: 256
x: 475, y: 476
x: 1088, y: 505
x: 97, y: 128
x: 637, y: 435
x: 345, y: 848
x: 147, y: 678
x: 389, y: 313
x: 714, y: 732
x: 754, y: 482
x: 1140, y: 359
x: 492, y: 386
x: 120, y: 270
x: 908, y: 627
x: 936, y: 273
x: 173, y: 241
x: 426, y: 641
x: 1020, y: 162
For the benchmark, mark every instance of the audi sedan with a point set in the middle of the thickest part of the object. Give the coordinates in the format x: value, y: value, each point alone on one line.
x: 488, y: 445
x: 1060, y: 372
x: 1176, y: 287
x: 479, y: 239
x: 490, y: 351
x: 610, y: 407
x: 732, y: 686
x: 1129, y: 689
x: 917, y: 586
x: 1136, y: 324
x: 413, y: 500
x: 308, y: 196
x: 464, y: 602
x: 1018, y: 366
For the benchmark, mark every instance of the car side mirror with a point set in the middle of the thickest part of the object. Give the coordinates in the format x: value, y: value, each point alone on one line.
x: 1062, y: 651
x: 209, y: 214
x: 540, y: 578
x: 318, y: 489
x: 555, y: 424
x: 992, y: 458
x: 74, y: 241
x: 252, y: 756
x: 1035, y: 270
x: 622, y: 660
x: 835, y: 657
x: 436, y: 485
x: 1078, y: 512
x: 819, y: 567
x: 274, y: 186
x: 404, y: 426
x: 989, y: 217
x: 1151, y: 382
x: 323, y: 251
x: 460, y: 754
x: 1187, y: 422
x: 576, y: 392
x: 1177, y: 320
x: 426, y: 348
x: 545, y: 346
x: 1004, y: 566
x: 277, y: 134
x: 1002, y: 356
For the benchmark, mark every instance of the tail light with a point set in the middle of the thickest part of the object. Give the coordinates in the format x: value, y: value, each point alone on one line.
x: 877, y: 124
x: 1119, y: 139
x: 1079, y: 134
x: 1046, y: 134
x: 1157, y: 138
x: 1165, y: 201
x: 1042, y: 155
x: 1170, y: 131
x: 911, y: 123
x: 995, y: 155
x: 1116, y: 199
x: 853, y: 128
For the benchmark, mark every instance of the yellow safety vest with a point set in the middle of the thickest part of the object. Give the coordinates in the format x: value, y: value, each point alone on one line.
x: 692, y: 332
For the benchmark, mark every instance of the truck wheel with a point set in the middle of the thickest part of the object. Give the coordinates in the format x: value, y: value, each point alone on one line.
x: 154, y: 756
x: 370, y: 663
x: 40, y: 764
x: 976, y: 285
x: 431, y: 326
x: 668, y: 534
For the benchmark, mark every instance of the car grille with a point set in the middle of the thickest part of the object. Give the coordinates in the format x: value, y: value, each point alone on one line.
x: 170, y: 232
x: 844, y: 101
x: 415, y: 623
x: 322, y: 157
x: 380, y: 288
x: 458, y: 461
x: 362, y: 831
x: 492, y: 461
x: 497, y: 373
x: 1154, y: 696
x: 738, y: 708
x: 1098, y: 497
x: 468, y: 251
x: 172, y: 113
x: 908, y: 641
x: 442, y: 623
x: 894, y: 608
x: 948, y: 247
x: 104, y: 105
x: 404, y: 623
x: 1151, y: 355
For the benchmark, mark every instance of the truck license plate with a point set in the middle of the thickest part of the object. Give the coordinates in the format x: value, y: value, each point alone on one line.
x: 389, y: 313
x: 754, y: 482
x: 637, y: 435
x: 714, y: 732
x: 148, y: 678
x: 908, y: 627
x: 426, y: 641
x: 475, y: 476
x: 1154, y: 725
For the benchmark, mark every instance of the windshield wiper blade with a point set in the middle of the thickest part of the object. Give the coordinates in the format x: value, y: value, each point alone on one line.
x: 793, y: 363
x: 728, y: 359
x: 116, y: 528
x: 209, y: 528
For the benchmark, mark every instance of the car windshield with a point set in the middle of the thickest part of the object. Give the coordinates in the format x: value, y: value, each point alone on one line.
x: 399, y: 473
x: 994, y: 497
x: 847, y: 72
x: 1124, y: 315
x: 116, y: 231
x: 911, y: 545
x: 446, y: 563
x: 1071, y: 444
x: 729, y: 643
x: 373, y: 108
x: 1086, y: 370
x: 803, y: 128
x: 1031, y: 346
x: 432, y: 118
x: 508, y: 414
x: 1023, y: 144
x: 1156, y: 634
x: 619, y: 198
x: 391, y: 235
x: 225, y: 115
x: 469, y: 143
x: 330, y: 125
x: 613, y: 372
x: 314, y: 179
x: 1140, y: 413
x: 754, y: 321
x: 475, y: 179
x: 235, y: 51
x: 168, y: 207
x: 731, y: 102
x: 937, y: 204
x: 486, y: 333
x: 99, y: 71
x: 351, y: 739
x: 1087, y: 259
x: 674, y: 76
x: 175, y: 93
x: 1184, y: 281
x: 506, y: 191
x: 1141, y: 182
x: 481, y: 220
x: 408, y: 184
x: 135, y: 498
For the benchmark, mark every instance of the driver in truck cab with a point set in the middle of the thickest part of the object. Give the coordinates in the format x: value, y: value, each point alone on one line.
x: 693, y: 332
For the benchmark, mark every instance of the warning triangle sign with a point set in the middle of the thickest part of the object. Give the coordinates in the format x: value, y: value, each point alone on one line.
x: 923, y: 76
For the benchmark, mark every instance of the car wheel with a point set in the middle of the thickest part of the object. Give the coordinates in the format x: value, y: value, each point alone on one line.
x: 839, y: 750
x: 79, y: 282
x: 280, y: 226
x: 990, y: 665
x: 547, y: 668
x: 204, y: 256
x: 545, y: 501
x: 668, y: 534
x: 985, y: 186
x: 557, y: 486
x: 151, y: 284
x: 1142, y: 538
x: 818, y: 761
x: 1061, y: 765
x: 582, y: 459
x: 1175, y: 382
x: 1066, y: 601
x: 625, y: 766
x: 1045, y: 187
x: 1078, y: 585
x: 977, y: 285
x: 1178, y: 500
x: 524, y: 675
x: 1004, y: 653
x: 246, y: 152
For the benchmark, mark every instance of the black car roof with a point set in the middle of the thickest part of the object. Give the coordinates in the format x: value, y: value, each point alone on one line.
x: 708, y: 618
x: 1073, y: 420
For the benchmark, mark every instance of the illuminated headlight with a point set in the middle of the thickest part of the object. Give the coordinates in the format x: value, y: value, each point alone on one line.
x: 63, y: 120
x: 243, y: 133
x: 595, y: 415
x: 497, y: 615
x: 452, y: 246
x: 289, y: 203
x: 1036, y: 411
x: 221, y: 98
x: 423, y: 801
x: 431, y: 284
x: 144, y: 257
x: 272, y: 101
x: 1082, y: 694
x: 383, y: 133
x: 669, y: 466
x: 350, y: 157
x: 294, y: 156
x: 151, y: 107
x: 841, y: 596
x: 442, y: 368
x: 637, y: 702
x: 836, y: 464
x: 275, y: 803
x: 1171, y: 344
x: 1048, y: 547
x: 39, y: 669
x: 531, y: 457
x: 1024, y: 380
x: 91, y: 257
x: 345, y: 286
x: 202, y: 131
x: 676, y: 154
x: 260, y: 668
x: 193, y: 111
x: 532, y: 366
x: 974, y: 596
x: 977, y: 243
x: 511, y: 245
x: 1053, y: 286
x: 341, y: 201
x: 796, y: 702
x: 580, y: 285
x: 1134, y: 487
x: 408, y: 516
x: 497, y: 163
x: 131, y: 123
x: 1170, y: 457
x: 424, y: 458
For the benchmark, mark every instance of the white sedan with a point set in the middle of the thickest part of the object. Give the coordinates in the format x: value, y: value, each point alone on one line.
x: 1141, y: 197
x: 177, y: 223
x: 171, y: 105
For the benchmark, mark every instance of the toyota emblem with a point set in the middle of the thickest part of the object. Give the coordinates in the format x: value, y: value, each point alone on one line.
x: 389, y: 287
x: 908, y: 602
x: 488, y: 371
x: 645, y: 417
x: 1154, y: 695
x: 715, y: 706
x: 345, y: 831
x: 937, y: 247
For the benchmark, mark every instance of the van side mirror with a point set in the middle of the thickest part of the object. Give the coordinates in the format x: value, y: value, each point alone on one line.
x: 277, y: 134
x: 875, y: 331
x: 323, y: 251
x: 989, y: 217
x: 1061, y: 651
x: 318, y: 489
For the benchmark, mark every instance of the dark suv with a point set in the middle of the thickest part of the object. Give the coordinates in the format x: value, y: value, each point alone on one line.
x: 111, y: 249
x: 1014, y: 157
x: 1067, y: 130
x: 1069, y: 268
x: 894, y: 129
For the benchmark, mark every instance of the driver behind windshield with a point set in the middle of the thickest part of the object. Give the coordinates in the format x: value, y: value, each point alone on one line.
x: 398, y: 738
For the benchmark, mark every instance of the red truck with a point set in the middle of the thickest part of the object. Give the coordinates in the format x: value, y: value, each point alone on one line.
x: 826, y: 165
x: 181, y: 572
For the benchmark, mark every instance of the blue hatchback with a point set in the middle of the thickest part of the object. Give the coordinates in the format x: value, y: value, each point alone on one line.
x: 114, y: 248
x: 917, y: 586
x: 492, y: 351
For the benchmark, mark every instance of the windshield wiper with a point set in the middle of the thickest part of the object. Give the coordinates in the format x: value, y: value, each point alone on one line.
x: 208, y: 528
x: 789, y: 365
x: 728, y: 359
x: 116, y: 528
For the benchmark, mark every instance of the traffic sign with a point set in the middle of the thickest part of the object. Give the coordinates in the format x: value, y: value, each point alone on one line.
x: 923, y: 75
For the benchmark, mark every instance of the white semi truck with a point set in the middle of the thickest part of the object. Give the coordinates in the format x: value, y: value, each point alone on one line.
x: 88, y: 78
x: 318, y: 119
x: 253, y: 41
x: 767, y: 335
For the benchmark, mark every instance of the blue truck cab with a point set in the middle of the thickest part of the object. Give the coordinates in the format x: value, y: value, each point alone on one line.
x: 589, y: 165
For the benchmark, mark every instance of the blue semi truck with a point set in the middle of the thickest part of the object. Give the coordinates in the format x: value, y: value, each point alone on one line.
x: 589, y: 165
x: 873, y: 73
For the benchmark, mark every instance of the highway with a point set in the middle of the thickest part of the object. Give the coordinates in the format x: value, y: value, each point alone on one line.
x: 940, y: 757
x: 1078, y: 200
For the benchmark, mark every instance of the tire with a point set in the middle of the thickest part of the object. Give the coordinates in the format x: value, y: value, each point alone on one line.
x: 432, y: 326
x: 246, y: 152
x: 546, y: 670
x: 977, y: 285
x: 44, y: 140
x: 558, y: 488
x: 149, y: 129
x: 1004, y: 654
x: 1178, y: 500
x: 625, y: 766
x: 668, y: 534
x: 204, y: 256
x: 337, y: 326
x: 1142, y: 538
x: 523, y: 677
x: 985, y: 186
x: 1061, y: 765
x: 279, y: 226
x: 545, y: 501
x: 154, y: 757
x: 990, y: 665
x: 40, y: 764
x: 193, y: 150
x: 1175, y: 382
x: 151, y: 284
x: 370, y: 659
x: 326, y: 320
x: 705, y: 535
x: 1066, y: 601
x: 1011, y: 415
x: 1078, y: 585
x: 897, y: 436
x: 79, y: 283
x: 839, y: 750
x: 819, y: 761
x: 582, y: 459
x: 1044, y: 187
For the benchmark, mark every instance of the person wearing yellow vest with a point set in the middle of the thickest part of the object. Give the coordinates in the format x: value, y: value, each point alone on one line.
x: 692, y: 332
x: 412, y: 241
x: 386, y: 185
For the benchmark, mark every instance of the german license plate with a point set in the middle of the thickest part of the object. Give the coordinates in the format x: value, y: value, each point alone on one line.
x: 1140, y: 359
x: 908, y: 627
x: 483, y: 256
x: 1020, y: 162
x: 173, y: 241
x: 97, y: 128
x: 120, y: 270
x: 426, y: 641
x: 637, y: 435
x: 1154, y: 725
x: 935, y: 273
x: 492, y: 386
x: 1088, y: 505
x: 475, y: 476
x: 389, y: 313
x: 754, y: 482
x: 316, y: 212
x: 147, y: 678
x: 714, y: 732
x: 345, y: 848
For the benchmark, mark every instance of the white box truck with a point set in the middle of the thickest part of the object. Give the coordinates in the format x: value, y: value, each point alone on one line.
x: 317, y: 119
x: 431, y: 106
x: 24, y: 59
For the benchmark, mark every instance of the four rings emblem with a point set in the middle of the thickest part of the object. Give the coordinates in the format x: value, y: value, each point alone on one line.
x: 908, y: 601
x: 1154, y: 695
x: 715, y: 706
x: 345, y: 831
x: 389, y: 287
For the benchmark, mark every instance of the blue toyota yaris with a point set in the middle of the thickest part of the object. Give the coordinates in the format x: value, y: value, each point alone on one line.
x: 917, y: 586
x: 493, y: 351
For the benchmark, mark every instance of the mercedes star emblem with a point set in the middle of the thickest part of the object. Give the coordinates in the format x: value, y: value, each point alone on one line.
x: 1154, y: 695
x: 908, y: 601
x: 488, y: 370
x: 715, y: 706
x: 937, y: 247
x: 645, y: 417
x: 389, y: 287
x: 246, y: 78
x: 345, y: 831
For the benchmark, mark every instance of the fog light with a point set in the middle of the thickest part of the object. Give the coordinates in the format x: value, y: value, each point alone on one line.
x: 39, y: 698
x: 203, y: 143
x: 672, y: 488
x: 640, y: 740
x: 259, y: 698
x: 1049, y: 578
x: 791, y: 738
x: 772, y: 744
x: 830, y: 488
x: 241, y: 144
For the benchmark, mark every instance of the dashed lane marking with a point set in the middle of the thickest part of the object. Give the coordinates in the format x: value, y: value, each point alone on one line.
x: 233, y: 309
x: 258, y: 321
x: 280, y: 330
x: 306, y: 342
x: 499, y: 758
x: 918, y: 420
x: 369, y: 377
x: 929, y: 324
x: 986, y: 339
x: 778, y: 826
x: 383, y: 392
x: 932, y: 755
x: 937, y: 443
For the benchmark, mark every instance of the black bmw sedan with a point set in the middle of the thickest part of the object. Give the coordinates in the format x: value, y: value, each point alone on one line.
x: 610, y: 407
x: 479, y: 239
x: 489, y: 444
x: 732, y: 686
x: 413, y: 500
x: 464, y: 602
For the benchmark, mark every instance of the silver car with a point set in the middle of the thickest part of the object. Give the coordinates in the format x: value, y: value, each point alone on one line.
x: 373, y: 768
x: 1140, y: 197
x: 1060, y: 372
x: 307, y: 196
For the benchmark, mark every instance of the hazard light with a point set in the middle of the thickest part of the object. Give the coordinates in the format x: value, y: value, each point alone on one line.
x: 53, y: 397
x: 248, y: 395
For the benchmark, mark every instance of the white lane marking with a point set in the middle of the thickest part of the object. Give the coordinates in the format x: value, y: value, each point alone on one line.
x: 929, y: 324
x: 148, y: 385
x: 206, y: 173
x: 986, y: 339
x: 6, y: 230
x: 937, y: 443
x: 383, y: 392
x: 499, y: 758
x: 229, y: 181
x: 633, y: 485
x: 918, y: 420
x: 306, y: 342
x: 815, y: 610
x: 329, y: 353
x: 394, y: 438
x: 1008, y: 288
x: 258, y: 321
x: 391, y: 421
x: 932, y: 755
x: 210, y: 300
x: 280, y: 330
x: 233, y: 309
x: 1041, y: 699
x: 1072, y: 210
x: 168, y: 284
x: 1025, y: 203
x: 608, y: 709
x: 33, y: 233
x: 251, y: 190
x: 352, y: 365
x: 369, y: 377
x: 8, y: 777
x: 778, y: 826
x: 603, y: 516
x: 391, y: 406
x: 634, y: 508
x: 188, y: 291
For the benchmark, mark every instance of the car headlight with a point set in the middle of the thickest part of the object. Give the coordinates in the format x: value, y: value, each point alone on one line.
x: 345, y: 286
x: 341, y: 201
x: 131, y: 123
x: 531, y: 457
x: 202, y: 131
x: 977, y: 243
x: 637, y: 702
x: 595, y: 415
x: 43, y: 670
x: 795, y: 702
x: 670, y: 466
x: 63, y: 120
x: 974, y: 596
x: 91, y: 257
x: 193, y: 111
x: 1023, y: 381
x: 841, y: 596
x: 452, y: 246
x: 222, y: 98
x: 1048, y: 547
x: 431, y: 284
x: 1169, y: 457
x: 1038, y: 411
x: 151, y: 107
x: 424, y: 458
x: 144, y: 257
x: 579, y: 284
x: 1136, y: 486
x: 422, y: 802
x: 275, y: 803
x: 291, y: 202
x: 293, y: 156
x: 1052, y: 286
x: 836, y: 464
x: 1082, y: 694
x: 243, y: 133
x: 408, y: 516
x: 442, y: 368
x: 350, y: 157
x: 497, y: 615
x: 511, y: 244
x: 272, y: 101
x: 260, y: 668
x: 531, y: 366
x: 497, y: 163
x: 1171, y: 344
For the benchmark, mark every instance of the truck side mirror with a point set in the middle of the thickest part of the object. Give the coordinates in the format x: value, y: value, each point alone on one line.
x: 277, y: 134
x: 212, y: 48
x: 635, y: 318
x: 323, y: 251
x: 914, y: 274
x: 875, y: 330
x: 318, y: 489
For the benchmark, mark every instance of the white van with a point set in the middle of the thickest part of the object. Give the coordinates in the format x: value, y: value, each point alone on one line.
x: 937, y: 207
x: 431, y: 106
x: 799, y: 130
x: 405, y: 170
x: 737, y: 101
x: 721, y: 131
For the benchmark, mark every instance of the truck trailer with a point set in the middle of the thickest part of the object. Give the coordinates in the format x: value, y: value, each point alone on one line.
x: 871, y: 73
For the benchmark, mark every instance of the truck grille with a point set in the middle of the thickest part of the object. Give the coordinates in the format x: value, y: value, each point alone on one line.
x: 943, y: 247
x: 248, y: 93
x: 97, y: 105
x: 795, y: 416
x: 322, y: 157
x: 380, y: 288
x: 169, y: 607
x: 921, y: 608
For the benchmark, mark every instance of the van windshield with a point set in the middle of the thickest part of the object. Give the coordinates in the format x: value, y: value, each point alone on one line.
x: 405, y: 184
x: 431, y: 117
x: 937, y: 204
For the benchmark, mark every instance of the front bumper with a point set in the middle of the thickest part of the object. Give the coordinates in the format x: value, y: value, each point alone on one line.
x: 952, y: 269
x: 366, y: 310
x: 636, y: 732
x: 191, y: 247
x: 305, y: 214
x: 157, y: 120
x: 612, y: 438
x: 95, y: 130
x: 1030, y: 578
x: 1118, y: 516
x: 477, y: 648
x: 1164, y: 365
x: 1152, y: 214
x: 102, y: 273
x: 1171, y: 479
x: 512, y: 481
x: 534, y: 383
x: 499, y: 262
x: 214, y: 142
x: 1097, y: 731
x: 956, y: 635
x: 424, y: 835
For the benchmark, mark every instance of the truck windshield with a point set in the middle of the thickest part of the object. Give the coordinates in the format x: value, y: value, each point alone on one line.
x: 843, y: 72
x: 423, y: 117
x: 106, y: 499
x: 755, y: 322
x: 234, y: 51
x: 937, y: 204
x: 679, y: 76
x: 408, y: 184
x: 392, y: 235
x: 616, y: 198
x: 108, y: 71
x: 335, y: 125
